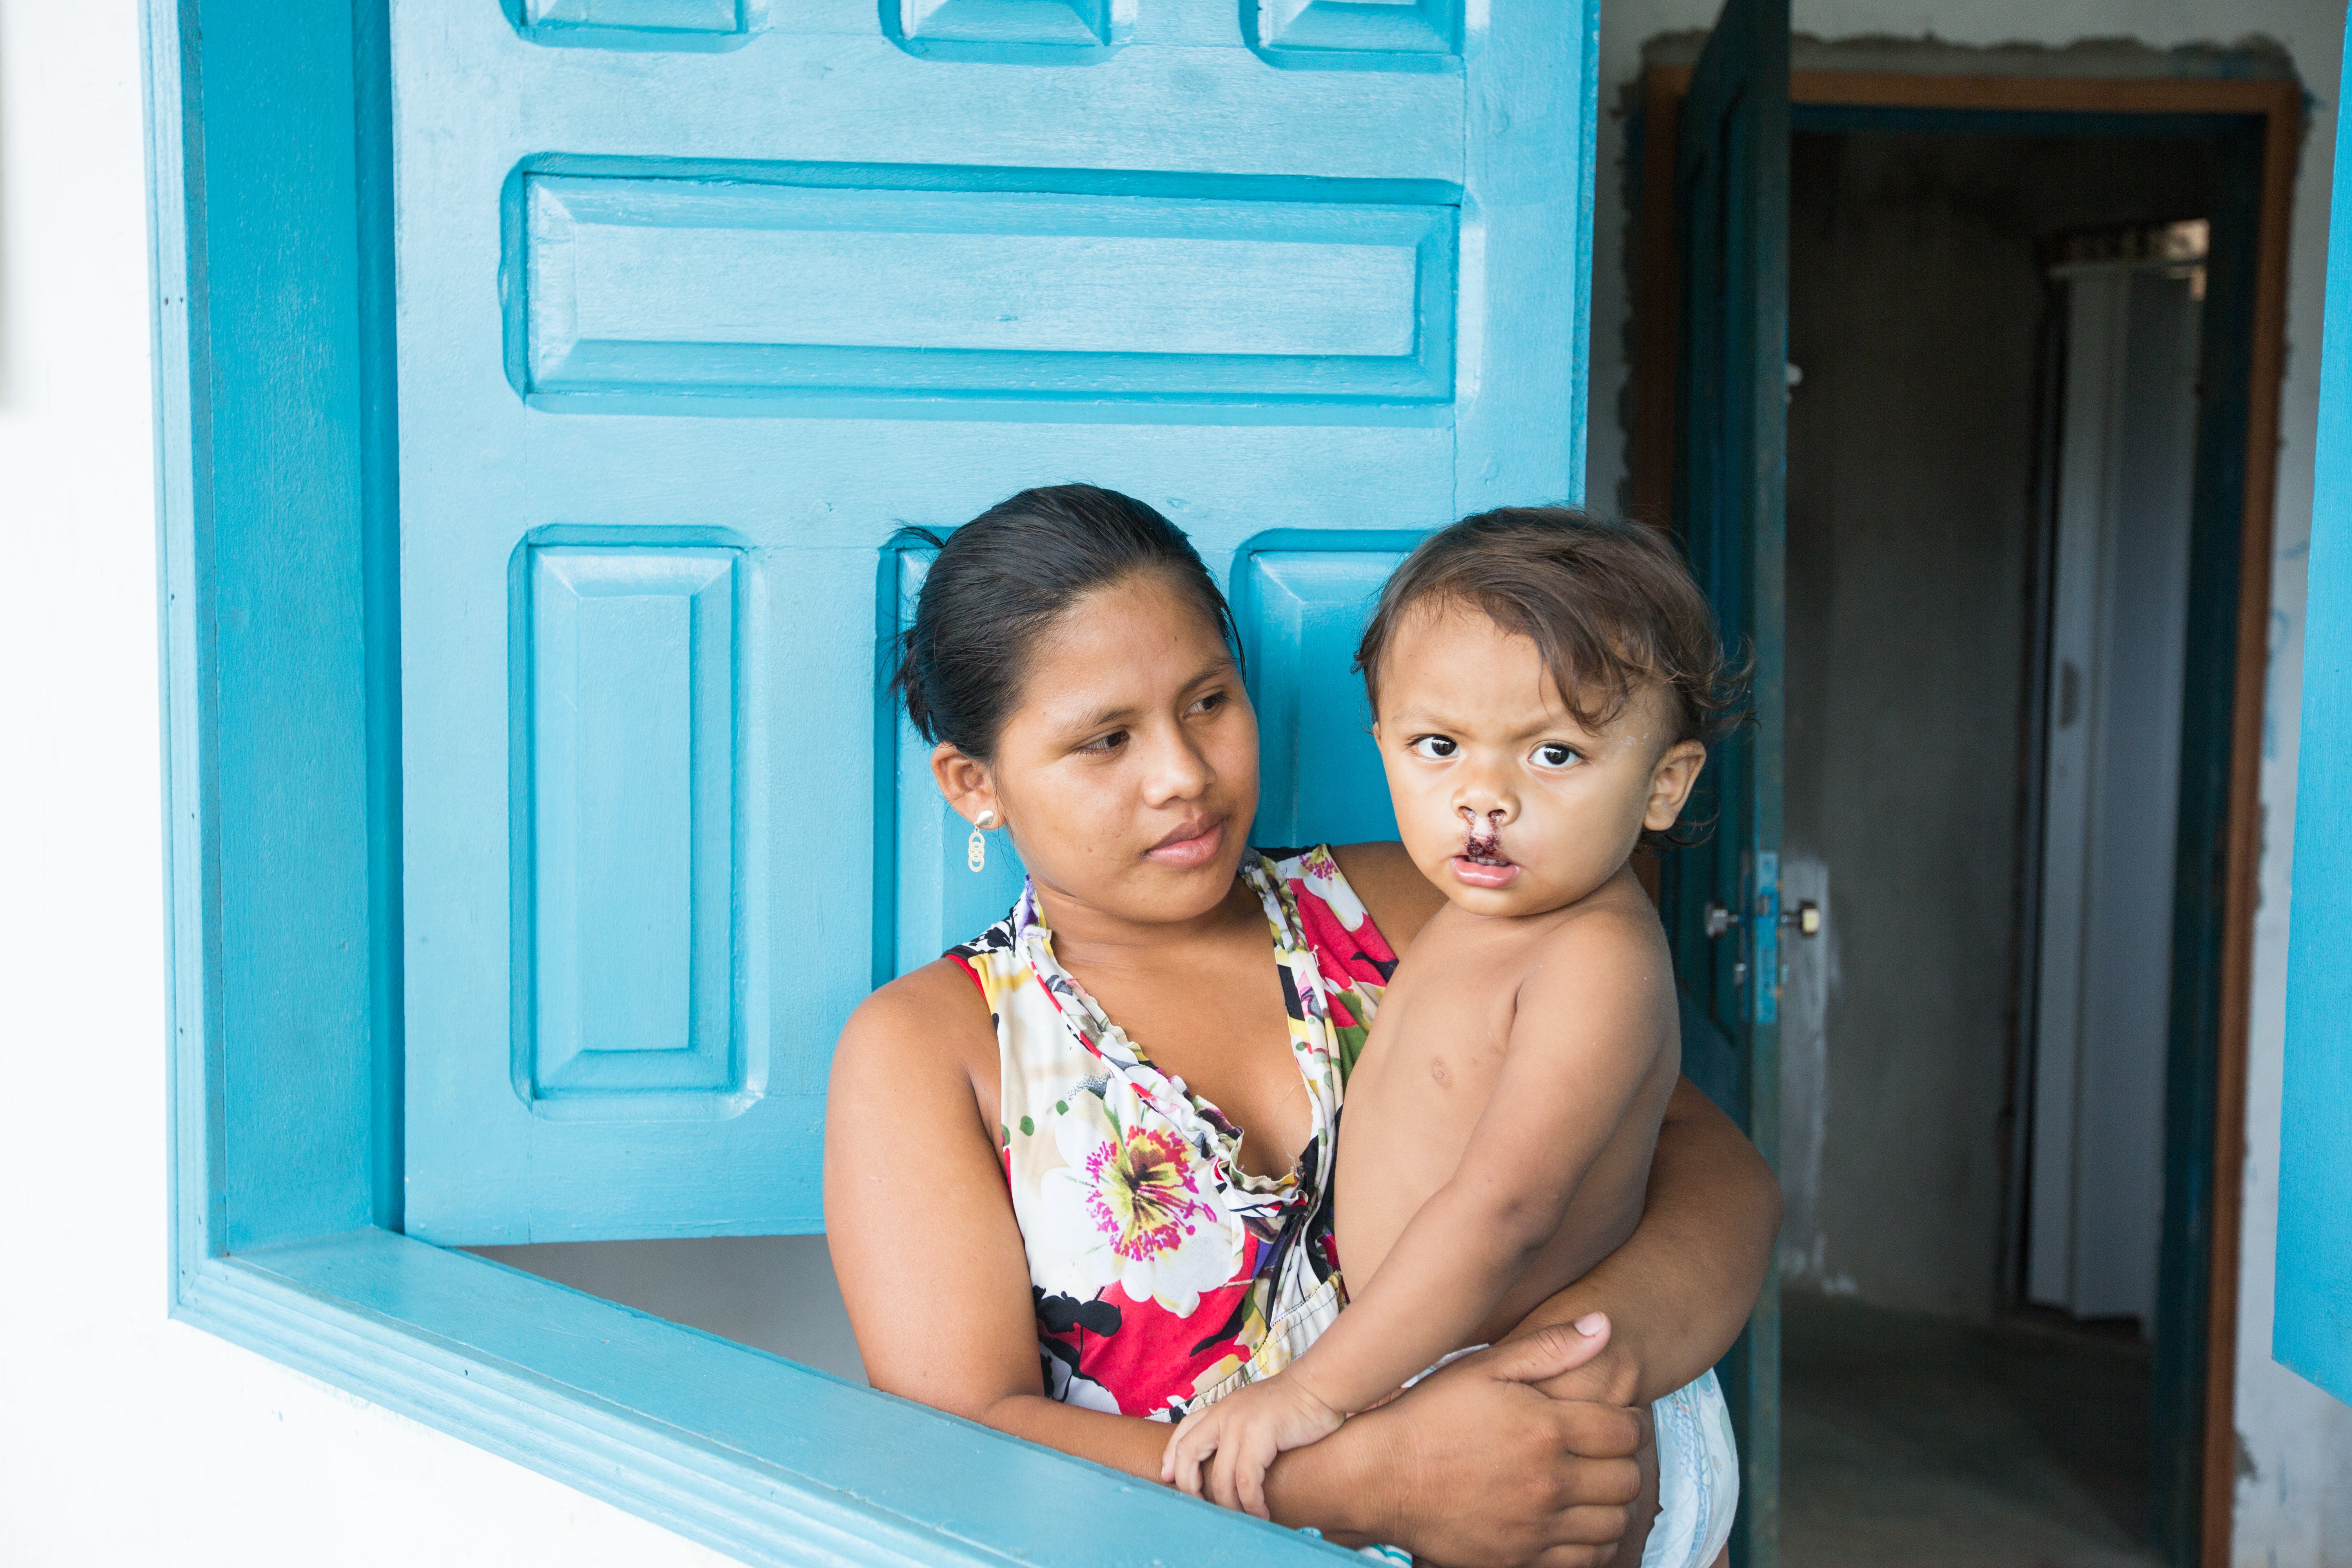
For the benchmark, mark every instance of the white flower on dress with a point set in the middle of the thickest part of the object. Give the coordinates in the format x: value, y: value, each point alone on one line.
x: 1133, y: 1203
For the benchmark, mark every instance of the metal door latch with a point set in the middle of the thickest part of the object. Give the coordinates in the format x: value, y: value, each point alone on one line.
x: 1806, y: 918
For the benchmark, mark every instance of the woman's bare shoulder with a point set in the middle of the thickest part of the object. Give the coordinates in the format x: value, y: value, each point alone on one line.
x: 930, y: 1018
x: 1392, y: 889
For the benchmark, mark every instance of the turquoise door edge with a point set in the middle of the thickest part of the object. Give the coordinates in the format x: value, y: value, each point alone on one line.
x: 1721, y: 898
x: 2311, y: 1329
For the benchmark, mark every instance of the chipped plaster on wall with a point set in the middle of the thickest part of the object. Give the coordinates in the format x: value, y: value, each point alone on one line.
x: 2294, y: 1499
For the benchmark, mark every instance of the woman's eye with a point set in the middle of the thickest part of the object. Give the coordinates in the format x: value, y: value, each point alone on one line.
x: 1109, y: 742
x: 1553, y: 754
x: 1210, y: 703
x: 1436, y: 748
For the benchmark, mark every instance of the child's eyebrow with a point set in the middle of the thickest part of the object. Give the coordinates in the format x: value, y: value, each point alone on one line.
x: 1553, y: 723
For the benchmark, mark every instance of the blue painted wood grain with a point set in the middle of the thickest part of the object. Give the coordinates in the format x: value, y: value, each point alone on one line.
x: 2311, y: 1330
x: 650, y: 16
x: 1347, y: 35
x: 1009, y: 24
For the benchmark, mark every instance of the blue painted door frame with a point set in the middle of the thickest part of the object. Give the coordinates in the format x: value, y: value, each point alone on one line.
x: 2253, y: 125
x: 272, y: 205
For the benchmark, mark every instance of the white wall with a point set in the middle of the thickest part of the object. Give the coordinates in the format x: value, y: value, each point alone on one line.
x: 126, y: 1439
x: 130, y: 1439
x: 2294, y: 1501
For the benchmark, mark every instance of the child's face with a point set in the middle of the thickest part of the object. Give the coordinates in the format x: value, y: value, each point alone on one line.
x: 1503, y: 799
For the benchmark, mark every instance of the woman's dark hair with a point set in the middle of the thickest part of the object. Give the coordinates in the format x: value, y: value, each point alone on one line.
x: 1609, y: 605
x: 1002, y: 579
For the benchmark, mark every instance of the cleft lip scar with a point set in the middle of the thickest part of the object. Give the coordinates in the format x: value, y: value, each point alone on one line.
x: 1484, y: 849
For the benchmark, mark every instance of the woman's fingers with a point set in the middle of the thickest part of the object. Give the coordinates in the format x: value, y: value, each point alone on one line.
x: 1610, y: 1435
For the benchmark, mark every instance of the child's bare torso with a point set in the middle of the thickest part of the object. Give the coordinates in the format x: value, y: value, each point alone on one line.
x: 1432, y: 1061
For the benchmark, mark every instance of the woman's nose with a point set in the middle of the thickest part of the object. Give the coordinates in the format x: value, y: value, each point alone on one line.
x: 1178, y: 771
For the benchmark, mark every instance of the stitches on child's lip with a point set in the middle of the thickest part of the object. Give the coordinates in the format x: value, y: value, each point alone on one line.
x: 1482, y: 850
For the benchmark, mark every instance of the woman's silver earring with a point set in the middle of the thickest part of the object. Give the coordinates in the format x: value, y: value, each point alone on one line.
x: 975, y: 853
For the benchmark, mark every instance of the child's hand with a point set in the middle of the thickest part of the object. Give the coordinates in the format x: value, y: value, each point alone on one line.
x: 1244, y: 1432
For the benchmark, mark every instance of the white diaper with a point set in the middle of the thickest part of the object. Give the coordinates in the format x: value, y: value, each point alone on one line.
x: 1699, y: 1476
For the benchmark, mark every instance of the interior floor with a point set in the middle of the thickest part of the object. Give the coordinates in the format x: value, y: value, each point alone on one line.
x: 1914, y: 1441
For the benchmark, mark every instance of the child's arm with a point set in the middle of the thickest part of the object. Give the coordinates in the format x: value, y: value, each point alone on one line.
x: 1583, y: 1044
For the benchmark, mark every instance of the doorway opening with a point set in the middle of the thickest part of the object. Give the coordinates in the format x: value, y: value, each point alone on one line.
x: 2031, y: 361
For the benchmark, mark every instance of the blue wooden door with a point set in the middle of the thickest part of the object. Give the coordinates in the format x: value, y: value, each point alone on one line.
x: 1722, y: 898
x: 2312, y: 1327
x: 699, y: 301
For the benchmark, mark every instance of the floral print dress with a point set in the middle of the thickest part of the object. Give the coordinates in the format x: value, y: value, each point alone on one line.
x: 1165, y: 1276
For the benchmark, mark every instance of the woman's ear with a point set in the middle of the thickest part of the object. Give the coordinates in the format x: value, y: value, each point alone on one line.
x: 1671, y: 782
x: 966, y: 783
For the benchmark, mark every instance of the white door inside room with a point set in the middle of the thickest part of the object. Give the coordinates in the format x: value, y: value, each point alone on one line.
x: 2117, y: 641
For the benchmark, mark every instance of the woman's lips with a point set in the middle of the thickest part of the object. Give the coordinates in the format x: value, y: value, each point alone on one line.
x: 1194, y: 844
x: 1483, y: 873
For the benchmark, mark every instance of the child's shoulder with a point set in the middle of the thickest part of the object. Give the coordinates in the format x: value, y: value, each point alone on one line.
x: 1611, y: 936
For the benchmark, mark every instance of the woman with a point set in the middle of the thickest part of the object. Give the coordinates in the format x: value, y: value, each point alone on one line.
x: 1122, y: 1231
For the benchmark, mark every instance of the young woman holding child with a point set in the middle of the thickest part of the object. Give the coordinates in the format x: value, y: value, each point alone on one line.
x: 1103, y: 1251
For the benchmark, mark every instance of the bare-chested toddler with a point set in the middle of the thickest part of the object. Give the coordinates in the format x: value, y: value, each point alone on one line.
x: 1544, y: 684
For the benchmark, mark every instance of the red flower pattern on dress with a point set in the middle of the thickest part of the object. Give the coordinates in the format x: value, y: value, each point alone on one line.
x: 1145, y: 1197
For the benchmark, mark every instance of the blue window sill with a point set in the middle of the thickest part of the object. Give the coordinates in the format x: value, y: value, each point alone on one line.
x: 754, y: 1455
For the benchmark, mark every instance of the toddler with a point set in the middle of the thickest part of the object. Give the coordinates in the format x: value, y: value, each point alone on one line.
x: 1543, y: 685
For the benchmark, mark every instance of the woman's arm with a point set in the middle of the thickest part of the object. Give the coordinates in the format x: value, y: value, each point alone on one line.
x: 1680, y: 1289
x: 922, y: 1232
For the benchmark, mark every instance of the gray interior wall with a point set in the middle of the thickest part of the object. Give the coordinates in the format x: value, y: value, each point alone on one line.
x: 774, y: 1292
x: 1915, y: 303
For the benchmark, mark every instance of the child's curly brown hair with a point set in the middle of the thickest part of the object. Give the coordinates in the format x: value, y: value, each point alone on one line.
x: 1609, y: 604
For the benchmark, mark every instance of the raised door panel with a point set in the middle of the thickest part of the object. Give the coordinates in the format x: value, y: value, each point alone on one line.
x: 1301, y: 601
x: 686, y: 286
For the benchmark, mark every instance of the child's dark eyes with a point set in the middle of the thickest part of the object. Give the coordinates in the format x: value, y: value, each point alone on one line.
x: 1554, y: 754
x: 1436, y: 748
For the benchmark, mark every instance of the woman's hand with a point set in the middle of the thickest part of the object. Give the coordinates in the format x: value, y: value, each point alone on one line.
x: 1475, y: 1467
x: 1242, y: 1432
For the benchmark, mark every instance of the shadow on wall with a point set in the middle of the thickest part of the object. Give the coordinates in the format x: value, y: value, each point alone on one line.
x: 775, y: 1293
